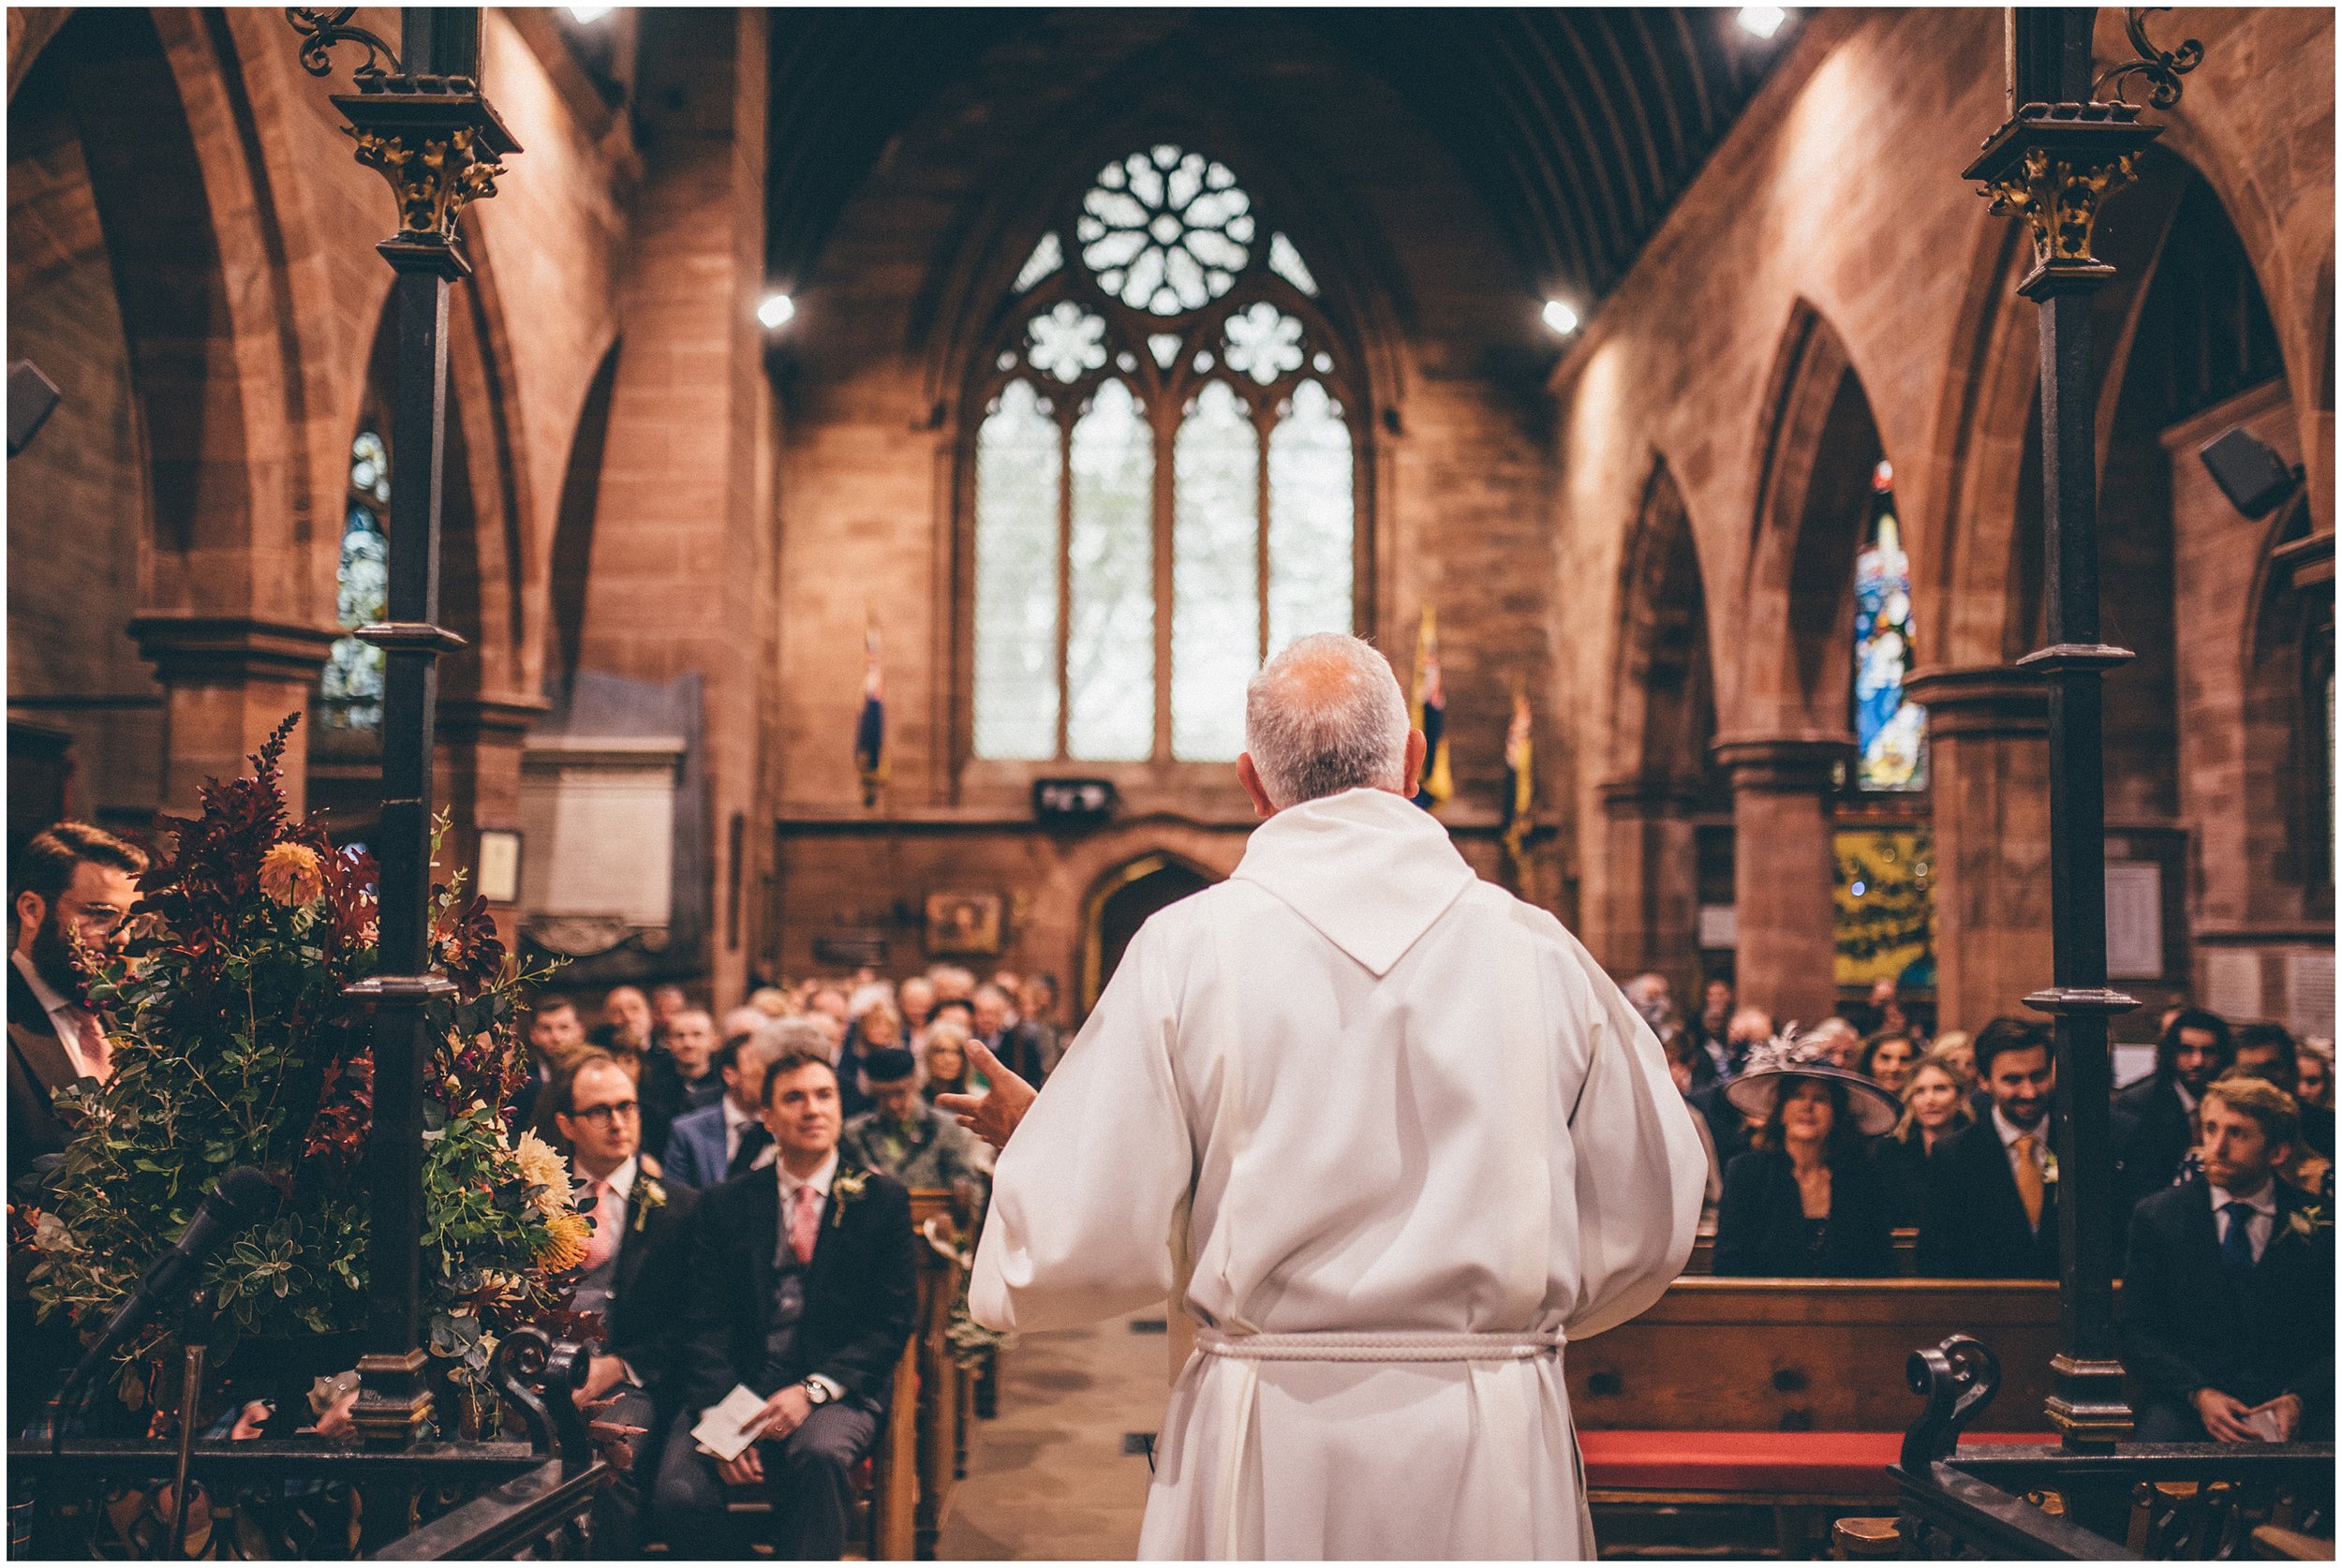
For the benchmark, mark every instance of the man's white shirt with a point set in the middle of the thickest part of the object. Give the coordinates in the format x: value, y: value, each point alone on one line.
x: 2260, y: 1224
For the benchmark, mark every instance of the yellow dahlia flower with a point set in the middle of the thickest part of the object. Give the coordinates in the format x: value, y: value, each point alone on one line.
x: 292, y: 875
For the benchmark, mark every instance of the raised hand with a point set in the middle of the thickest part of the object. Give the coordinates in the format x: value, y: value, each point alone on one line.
x: 990, y: 1116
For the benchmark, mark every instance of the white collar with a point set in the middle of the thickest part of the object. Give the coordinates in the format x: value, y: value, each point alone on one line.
x: 621, y: 1180
x: 2263, y: 1201
x: 2009, y: 1132
x: 1369, y: 870
x: 734, y: 1116
x: 50, y: 1001
x: 819, y: 1180
x: 2186, y: 1099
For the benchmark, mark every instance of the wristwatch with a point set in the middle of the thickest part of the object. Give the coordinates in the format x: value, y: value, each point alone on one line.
x: 816, y: 1391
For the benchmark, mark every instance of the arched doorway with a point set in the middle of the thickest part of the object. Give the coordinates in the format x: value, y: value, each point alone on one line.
x: 1119, y: 905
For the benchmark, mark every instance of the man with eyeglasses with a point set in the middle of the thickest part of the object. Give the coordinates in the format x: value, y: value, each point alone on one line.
x: 633, y: 1275
x: 72, y: 883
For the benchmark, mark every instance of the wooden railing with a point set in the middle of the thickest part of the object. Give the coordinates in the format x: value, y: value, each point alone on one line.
x: 2130, y: 1502
x: 310, y: 1499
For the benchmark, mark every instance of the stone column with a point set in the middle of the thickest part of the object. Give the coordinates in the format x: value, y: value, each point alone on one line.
x: 1651, y: 875
x: 227, y: 681
x: 1988, y: 743
x: 477, y: 777
x: 1784, y: 866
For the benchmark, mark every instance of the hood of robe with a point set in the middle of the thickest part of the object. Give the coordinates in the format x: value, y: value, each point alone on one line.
x: 1369, y: 870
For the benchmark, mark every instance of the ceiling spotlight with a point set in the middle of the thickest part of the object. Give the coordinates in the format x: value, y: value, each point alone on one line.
x: 585, y: 16
x: 1559, y: 317
x: 1762, y: 21
x: 776, y: 310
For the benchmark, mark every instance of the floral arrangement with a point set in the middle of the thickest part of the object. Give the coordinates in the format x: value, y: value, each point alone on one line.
x: 235, y: 1044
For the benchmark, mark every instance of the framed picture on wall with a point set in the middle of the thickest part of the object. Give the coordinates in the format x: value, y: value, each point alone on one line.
x: 964, y: 922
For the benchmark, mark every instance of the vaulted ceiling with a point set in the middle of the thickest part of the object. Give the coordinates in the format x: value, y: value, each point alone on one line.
x: 1580, y: 128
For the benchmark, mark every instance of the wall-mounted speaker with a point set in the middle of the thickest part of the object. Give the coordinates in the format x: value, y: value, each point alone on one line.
x: 2252, y: 477
x: 32, y: 397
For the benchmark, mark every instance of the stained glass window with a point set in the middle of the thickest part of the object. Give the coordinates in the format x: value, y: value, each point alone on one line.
x: 1176, y: 338
x: 349, y: 690
x: 1889, y: 730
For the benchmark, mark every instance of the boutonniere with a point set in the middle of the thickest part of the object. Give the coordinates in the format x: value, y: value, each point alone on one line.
x: 847, y: 1186
x: 2308, y: 1220
x: 648, y: 1195
x: 2049, y: 1170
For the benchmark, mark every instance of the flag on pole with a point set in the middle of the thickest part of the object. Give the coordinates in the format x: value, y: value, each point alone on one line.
x: 1520, y: 781
x: 1429, y: 703
x: 869, y: 730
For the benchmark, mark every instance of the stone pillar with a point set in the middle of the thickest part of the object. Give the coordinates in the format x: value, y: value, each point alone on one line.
x: 227, y: 681
x: 477, y: 779
x: 1784, y: 866
x: 1651, y: 873
x: 1988, y: 743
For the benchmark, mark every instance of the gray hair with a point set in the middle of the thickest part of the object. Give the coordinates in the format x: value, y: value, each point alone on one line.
x: 1325, y: 715
x: 786, y: 1036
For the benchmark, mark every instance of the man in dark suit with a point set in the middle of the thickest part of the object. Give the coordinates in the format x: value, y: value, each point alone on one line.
x: 555, y: 1034
x: 804, y: 1287
x: 634, y: 1276
x: 2155, y: 1118
x: 679, y: 1075
x: 710, y: 1146
x: 1990, y: 1210
x: 2228, y: 1291
x: 70, y: 881
x: 2268, y: 1050
x: 1007, y: 1036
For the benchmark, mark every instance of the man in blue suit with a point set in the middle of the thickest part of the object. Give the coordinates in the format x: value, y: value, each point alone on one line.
x: 709, y: 1147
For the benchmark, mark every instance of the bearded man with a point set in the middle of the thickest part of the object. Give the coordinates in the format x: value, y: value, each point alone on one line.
x: 73, y: 882
x: 1386, y: 1135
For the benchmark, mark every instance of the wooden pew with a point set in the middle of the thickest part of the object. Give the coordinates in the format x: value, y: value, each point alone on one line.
x: 940, y: 1402
x: 1750, y: 1413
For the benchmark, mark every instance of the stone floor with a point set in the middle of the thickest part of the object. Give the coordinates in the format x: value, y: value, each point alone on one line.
x: 1053, y: 1476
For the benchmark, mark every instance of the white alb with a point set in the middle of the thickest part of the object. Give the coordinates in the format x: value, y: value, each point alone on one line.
x: 1389, y: 1136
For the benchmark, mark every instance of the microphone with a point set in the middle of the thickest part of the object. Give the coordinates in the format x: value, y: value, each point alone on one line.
x: 236, y: 1201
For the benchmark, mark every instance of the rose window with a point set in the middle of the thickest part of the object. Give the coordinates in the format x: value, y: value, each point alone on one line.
x: 1165, y: 231
x: 1067, y: 342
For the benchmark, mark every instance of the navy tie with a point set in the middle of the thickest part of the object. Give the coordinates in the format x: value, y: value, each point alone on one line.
x: 2236, y: 1245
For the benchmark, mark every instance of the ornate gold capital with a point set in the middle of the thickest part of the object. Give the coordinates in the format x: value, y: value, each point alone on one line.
x: 2059, y: 200
x: 431, y: 177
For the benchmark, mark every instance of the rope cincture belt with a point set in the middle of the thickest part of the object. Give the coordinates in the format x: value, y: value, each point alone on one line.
x: 1333, y: 1346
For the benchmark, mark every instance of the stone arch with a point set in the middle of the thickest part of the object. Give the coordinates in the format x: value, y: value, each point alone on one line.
x: 1054, y: 923
x: 1663, y: 720
x: 568, y: 561
x: 2287, y: 748
x: 1821, y: 447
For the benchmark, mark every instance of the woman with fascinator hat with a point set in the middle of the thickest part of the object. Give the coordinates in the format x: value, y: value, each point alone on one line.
x: 1805, y: 1200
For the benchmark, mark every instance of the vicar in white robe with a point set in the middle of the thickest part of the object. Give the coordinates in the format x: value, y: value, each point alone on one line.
x: 1388, y: 1134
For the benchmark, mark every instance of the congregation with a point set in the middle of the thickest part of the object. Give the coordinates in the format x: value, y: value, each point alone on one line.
x: 1823, y: 1142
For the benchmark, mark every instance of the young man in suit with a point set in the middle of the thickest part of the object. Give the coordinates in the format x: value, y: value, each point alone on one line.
x: 2228, y: 1291
x: 633, y: 1273
x: 1991, y: 1211
x: 710, y: 1146
x: 2155, y: 1118
x: 70, y: 880
x: 804, y: 1287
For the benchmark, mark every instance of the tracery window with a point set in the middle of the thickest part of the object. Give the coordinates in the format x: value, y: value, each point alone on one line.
x: 349, y: 692
x: 1889, y: 729
x: 1164, y: 480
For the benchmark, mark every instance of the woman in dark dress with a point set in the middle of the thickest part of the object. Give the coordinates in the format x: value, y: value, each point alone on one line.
x: 1935, y: 1106
x: 1805, y: 1200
